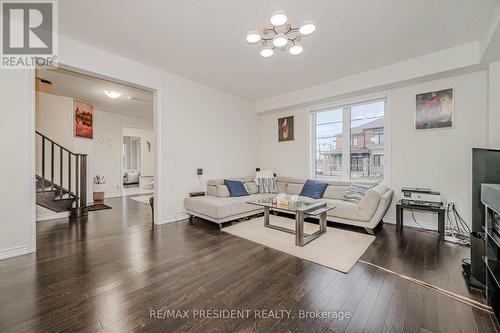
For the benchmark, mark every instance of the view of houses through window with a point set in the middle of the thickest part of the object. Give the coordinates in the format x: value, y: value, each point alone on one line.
x: 364, y: 153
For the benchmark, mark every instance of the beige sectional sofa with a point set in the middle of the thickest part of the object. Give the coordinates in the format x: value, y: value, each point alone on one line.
x: 217, y: 206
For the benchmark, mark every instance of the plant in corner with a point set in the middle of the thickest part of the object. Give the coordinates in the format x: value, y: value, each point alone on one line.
x: 99, y: 182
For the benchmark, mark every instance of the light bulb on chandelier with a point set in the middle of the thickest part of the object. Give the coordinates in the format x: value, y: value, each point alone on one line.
x: 295, y: 49
x: 280, y: 40
x: 278, y: 18
x: 253, y: 37
x: 267, y: 52
x: 307, y: 28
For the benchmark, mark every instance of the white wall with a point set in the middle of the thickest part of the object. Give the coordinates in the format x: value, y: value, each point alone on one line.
x: 288, y: 158
x: 54, y: 118
x: 213, y: 131
x: 440, y: 159
x: 494, y: 106
x: 16, y: 235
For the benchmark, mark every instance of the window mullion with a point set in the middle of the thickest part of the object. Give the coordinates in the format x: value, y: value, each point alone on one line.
x: 314, y: 144
x: 346, y: 146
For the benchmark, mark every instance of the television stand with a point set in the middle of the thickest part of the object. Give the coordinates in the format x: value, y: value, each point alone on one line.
x: 439, y: 209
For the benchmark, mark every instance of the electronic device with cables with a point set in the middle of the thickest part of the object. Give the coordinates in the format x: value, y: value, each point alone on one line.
x: 452, y: 226
x: 440, y: 210
x: 420, y: 196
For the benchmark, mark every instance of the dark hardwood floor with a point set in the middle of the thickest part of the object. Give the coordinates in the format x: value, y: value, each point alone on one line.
x: 421, y: 255
x: 113, y: 273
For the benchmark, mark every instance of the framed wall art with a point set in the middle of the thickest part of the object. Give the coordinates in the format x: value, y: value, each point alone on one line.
x: 434, y: 110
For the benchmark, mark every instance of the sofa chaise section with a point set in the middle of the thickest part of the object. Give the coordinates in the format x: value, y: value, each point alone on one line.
x: 220, y: 210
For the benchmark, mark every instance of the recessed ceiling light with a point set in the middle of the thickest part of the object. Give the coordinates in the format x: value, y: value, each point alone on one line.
x: 278, y: 18
x: 253, y: 37
x: 307, y: 28
x: 112, y: 93
x: 266, y: 52
x: 280, y: 40
x: 296, y: 49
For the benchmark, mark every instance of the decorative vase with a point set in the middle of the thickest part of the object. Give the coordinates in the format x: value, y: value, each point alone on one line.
x: 98, y: 192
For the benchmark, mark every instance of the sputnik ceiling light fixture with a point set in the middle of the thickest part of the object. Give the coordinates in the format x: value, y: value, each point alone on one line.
x: 280, y: 35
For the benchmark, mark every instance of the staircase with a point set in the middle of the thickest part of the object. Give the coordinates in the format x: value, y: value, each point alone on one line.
x: 61, y: 180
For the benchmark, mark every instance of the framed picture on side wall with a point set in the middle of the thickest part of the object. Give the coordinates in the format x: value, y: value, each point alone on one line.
x: 434, y: 110
x: 285, y: 129
x: 84, y: 120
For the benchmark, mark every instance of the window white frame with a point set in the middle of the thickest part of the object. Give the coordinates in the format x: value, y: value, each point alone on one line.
x: 346, y: 105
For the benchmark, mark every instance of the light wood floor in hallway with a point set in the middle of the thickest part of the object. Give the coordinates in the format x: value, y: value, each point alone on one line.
x: 109, y: 272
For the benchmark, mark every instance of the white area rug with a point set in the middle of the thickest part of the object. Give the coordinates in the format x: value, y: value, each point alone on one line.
x: 143, y: 199
x: 338, y: 249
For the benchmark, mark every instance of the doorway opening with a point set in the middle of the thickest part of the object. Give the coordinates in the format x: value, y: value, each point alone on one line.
x: 83, y: 122
x: 137, y: 161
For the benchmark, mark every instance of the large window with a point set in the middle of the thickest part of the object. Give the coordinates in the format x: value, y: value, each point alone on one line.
x: 363, y: 155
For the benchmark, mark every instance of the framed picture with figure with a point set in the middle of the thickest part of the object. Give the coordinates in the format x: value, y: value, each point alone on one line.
x: 434, y: 110
x: 84, y: 120
x: 285, y: 129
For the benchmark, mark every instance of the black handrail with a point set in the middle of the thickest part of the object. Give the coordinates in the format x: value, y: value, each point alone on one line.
x: 55, y: 143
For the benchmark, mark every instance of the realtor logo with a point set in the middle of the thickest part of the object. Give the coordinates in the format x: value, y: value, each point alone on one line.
x: 29, y: 36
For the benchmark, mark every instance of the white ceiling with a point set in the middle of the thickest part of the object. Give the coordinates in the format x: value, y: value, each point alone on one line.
x: 205, y: 40
x: 91, y: 90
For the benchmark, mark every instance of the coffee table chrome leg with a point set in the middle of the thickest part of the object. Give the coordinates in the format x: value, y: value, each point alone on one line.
x: 266, y: 216
x: 322, y: 222
x: 299, y: 228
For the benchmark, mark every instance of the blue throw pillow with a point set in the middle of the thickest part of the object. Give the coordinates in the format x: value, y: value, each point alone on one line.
x: 313, y: 189
x: 236, y: 188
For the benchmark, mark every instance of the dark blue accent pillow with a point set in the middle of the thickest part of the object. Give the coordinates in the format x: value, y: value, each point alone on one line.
x: 236, y: 188
x: 313, y: 189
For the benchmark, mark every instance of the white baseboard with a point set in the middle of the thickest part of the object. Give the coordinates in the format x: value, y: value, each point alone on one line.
x: 173, y: 218
x: 113, y: 194
x: 15, y: 251
x: 51, y: 216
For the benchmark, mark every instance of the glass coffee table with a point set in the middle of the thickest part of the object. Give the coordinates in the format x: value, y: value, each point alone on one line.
x: 301, y: 210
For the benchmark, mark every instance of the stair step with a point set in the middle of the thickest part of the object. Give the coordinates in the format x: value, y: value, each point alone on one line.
x: 48, y: 200
x: 47, y: 185
x: 71, y: 199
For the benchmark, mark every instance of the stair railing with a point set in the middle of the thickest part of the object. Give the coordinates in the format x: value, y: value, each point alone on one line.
x: 75, y: 170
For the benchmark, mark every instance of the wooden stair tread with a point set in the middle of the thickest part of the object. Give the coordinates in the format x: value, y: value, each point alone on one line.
x: 49, y: 198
